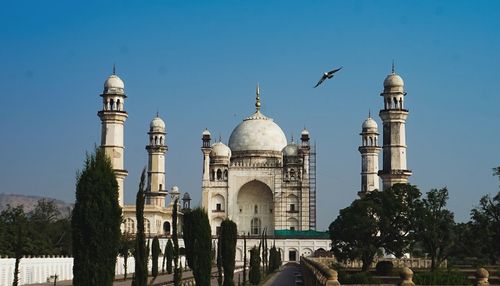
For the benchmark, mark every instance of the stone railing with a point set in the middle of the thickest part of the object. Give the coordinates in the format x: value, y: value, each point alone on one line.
x: 317, y: 273
x: 414, y: 263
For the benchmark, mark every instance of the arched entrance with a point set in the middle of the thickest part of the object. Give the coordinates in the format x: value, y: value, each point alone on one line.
x: 255, y: 208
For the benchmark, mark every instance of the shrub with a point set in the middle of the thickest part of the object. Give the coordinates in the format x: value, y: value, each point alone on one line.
x: 384, y: 268
x: 449, y: 277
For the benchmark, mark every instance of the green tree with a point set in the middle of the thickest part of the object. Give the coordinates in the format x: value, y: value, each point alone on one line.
x: 169, y: 255
x: 435, y: 225
x: 14, y: 239
x: 254, y: 273
x: 244, y: 259
x: 219, y: 261
x: 378, y: 220
x: 155, y: 253
x: 486, y: 223
x: 229, y: 233
x: 273, y: 261
x: 177, y: 270
x: 140, y: 253
x: 125, y: 248
x: 198, y: 242
x: 96, y: 222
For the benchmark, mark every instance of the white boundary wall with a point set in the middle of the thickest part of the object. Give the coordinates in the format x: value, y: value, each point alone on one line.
x: 38, y: 269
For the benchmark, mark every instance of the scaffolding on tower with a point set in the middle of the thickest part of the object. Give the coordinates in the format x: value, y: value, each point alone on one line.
x: 312, y: 188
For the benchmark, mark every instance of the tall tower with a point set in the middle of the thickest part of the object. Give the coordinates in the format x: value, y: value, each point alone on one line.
x: 157, y: 148
x: 113, y: 116
x: 394, y: 117
x: 369, y: 150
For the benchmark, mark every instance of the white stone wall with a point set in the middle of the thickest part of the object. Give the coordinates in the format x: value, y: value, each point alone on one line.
x: 302, y: 247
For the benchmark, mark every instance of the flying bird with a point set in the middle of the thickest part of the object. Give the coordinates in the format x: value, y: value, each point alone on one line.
x: 327, y: 75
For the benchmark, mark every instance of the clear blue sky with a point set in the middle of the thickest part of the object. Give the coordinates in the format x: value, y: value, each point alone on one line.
x: 198, y: 63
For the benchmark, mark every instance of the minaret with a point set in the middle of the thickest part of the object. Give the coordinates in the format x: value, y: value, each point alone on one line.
x: 369, y: 150
x: 157, y: 148
x: 206, y: 148
x: 394, y: 117
x: 113, y: 116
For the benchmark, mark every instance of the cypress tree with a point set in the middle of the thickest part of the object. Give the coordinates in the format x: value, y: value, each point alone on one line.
x: 198, y: 241
x: 219, y: 261
x: 96, y: 222
x: 254, y: 273
x: 140, y: 254
x: 244, y: 259
x: 177, y: 270
x: 155, y: 253
x: 229, y: 234
x: 169, y: 254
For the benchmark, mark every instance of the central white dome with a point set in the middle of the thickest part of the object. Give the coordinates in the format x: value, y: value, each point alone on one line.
x: 257, y: 133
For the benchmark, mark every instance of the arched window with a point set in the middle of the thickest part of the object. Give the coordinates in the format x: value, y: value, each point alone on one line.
x: 219, y: 174
x: 111, y: 104
x: 371, y: 141
x: 395, y: 103
x: 255, y: 226
x: 129, y: 225
x: 225, y: 175
x: 118, y: 107
x: 161, y: 140
x: 166, y: 228
x: 292, y: 174
x: 255, y: 209
x: 147, y: 226
x: 401, y: 103
x: 212, y: 175
x: 156, y: 140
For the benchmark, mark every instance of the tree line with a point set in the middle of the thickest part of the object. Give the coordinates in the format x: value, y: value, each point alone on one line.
x: 400, y: 220
x: 42, y: 231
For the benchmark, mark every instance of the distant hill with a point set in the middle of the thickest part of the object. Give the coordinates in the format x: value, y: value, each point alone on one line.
x: 29, y: 202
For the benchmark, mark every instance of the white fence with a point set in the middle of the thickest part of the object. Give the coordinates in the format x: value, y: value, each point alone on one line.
x: 39, y: 269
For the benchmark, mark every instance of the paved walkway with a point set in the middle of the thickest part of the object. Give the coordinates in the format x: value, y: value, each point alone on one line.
x: 289, y: 275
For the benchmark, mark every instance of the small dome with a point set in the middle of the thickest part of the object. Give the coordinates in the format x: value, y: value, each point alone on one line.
x: 186, y: 197
x: 220, y: 149
x: 175, y: 190
x: 305, y: 132
x: 114, y: 85
x: 257, y: 133
x: 393, y: 80
x: 393, y: 83
x: 291, y: 150
x: 206, y: 132
x: 369, y: 123
x: 157, y: 124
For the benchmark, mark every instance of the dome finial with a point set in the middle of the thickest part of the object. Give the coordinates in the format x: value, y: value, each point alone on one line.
x: 114, y: 69
x: 392, y: 66
x: 257, y: 97
x: 157, y: 112
x: 369, y: 113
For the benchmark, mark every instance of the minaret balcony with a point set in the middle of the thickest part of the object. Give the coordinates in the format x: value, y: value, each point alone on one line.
x: 395, y: 172
x: 157, y: 194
